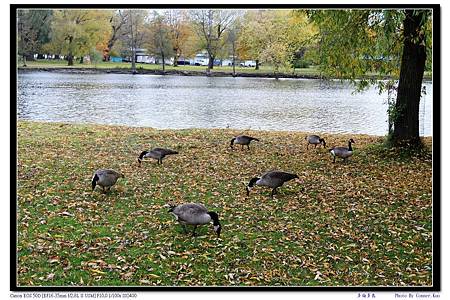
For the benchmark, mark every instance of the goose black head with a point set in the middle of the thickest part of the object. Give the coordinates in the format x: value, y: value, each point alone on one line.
x: 232, y: 142
x: 251, y: 184
x: 350, y: 142
x: 141, y: 156
x: 94, y: 181
x: 323, y: 142
x: 215, y: 218
x: 171, y: 207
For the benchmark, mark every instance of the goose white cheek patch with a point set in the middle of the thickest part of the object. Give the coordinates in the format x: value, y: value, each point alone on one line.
x: 216, y: 227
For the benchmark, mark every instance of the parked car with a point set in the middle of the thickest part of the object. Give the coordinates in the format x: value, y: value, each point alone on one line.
x: 248, y: 63
x: 201, y: 59
x: 182, y: 62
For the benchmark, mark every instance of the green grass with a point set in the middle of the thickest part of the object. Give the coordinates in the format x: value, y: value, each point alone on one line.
x: 115, y: 65
x: 365, y: 222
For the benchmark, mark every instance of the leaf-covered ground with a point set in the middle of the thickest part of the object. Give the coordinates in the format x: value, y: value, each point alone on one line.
x: 367, y: 222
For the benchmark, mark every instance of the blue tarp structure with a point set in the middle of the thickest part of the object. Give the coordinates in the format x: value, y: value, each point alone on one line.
x: 116, y: 59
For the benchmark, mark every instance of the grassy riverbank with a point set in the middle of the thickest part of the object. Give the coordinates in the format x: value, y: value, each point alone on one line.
x: 264, y: 71
x: 365, y: 222
x: 114, y: 67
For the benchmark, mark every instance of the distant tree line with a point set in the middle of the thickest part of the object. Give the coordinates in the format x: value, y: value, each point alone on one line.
x: 275, y: 37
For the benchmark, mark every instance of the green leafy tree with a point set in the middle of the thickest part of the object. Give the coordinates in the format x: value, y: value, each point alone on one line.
x: 251, y: 39
x: 33, y: 29
x: 275, y: 36
x: 300, y: 38
x: 96, y: 56
x: 395, y: 43
x: 275, y: 51
x: 75, y: 32
x: 26, y: 36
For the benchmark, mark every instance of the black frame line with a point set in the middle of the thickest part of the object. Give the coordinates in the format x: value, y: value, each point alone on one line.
x: 436, y: 154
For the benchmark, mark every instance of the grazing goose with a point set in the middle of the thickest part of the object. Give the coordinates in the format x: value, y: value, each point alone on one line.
x: 156, y: 153
x: 315, y: 140
x: 242, y: 140
x: 105, y: 178
x: 342, y: 152
x: 272, y: 179
x: 195, y: 214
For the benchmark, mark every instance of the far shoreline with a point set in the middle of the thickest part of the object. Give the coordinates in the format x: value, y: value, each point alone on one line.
x: 77, y: 70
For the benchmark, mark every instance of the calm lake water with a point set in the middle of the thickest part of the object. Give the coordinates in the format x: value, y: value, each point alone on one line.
x: 207, y: 102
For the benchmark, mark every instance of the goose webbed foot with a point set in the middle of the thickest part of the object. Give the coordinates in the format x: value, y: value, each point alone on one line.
x: 274, y: 191
x: 193, y: 232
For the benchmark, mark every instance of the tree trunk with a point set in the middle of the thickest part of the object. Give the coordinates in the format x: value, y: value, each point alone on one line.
x: 111, y: 43
x: 133, y: 46
x: 163, y: 62
x: 24, y: 58
x: 114, y: 35
x: 133, y: 61
x: 406, y: 119
x: 234, y: 52
x: 210, y: 62
x: 177, y: 56
x: 133, y: 58
x: 70, y: 59
x: 70, y: 56
x: 257, y: 64
x: 81, y: 59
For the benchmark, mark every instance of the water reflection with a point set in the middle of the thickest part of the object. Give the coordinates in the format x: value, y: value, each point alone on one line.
x: 207, y: 102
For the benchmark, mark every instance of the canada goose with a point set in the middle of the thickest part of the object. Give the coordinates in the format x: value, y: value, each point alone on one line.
x: 242, y: 140
x: 195, y: 214
x: 342, y: 152
x: 105, y: 178
x: 156, y: 153
x: 272, y: 179
x: 315, y: 140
